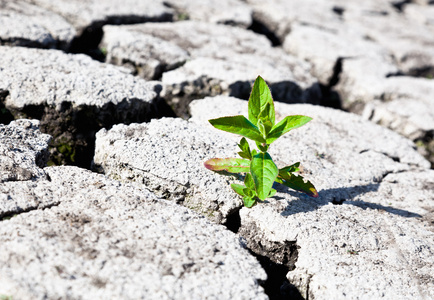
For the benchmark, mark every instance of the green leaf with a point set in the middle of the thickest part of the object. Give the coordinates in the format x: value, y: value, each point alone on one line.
x: 244, y: 155
x: 262, y: 148
x: 231, y: 165
x: 245, y: 149
x: 297, y: 183
x: 287, y: 124
x: 289, y: 169
x: 259, y: 98
x: 249, y: 201
x: 272, y: 193
x: 264, y: 172
x: 238, y: 125
x: 261, y: 128
x: 249, y: 182
x: 238, y: 188
x: 249, y: 193
x: 264, y: 118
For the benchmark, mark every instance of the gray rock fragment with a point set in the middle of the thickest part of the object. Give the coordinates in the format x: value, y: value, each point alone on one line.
x: 361, y: 80
x: 109, y: 240
x: 167, y: 156
x: 406, y: 107
x: 207, y: 76
x: 411, y: 43
x: 323, y: 49
x: 23, y: 151
x: 145, y: 55
x: 401, y: 103
x: 278, y: 16
x: 24, y: 24
x: 72, y: 95
x: 422, y: 14
x: 355, y: 250
x: 231, y: 12
x: 83, y: 14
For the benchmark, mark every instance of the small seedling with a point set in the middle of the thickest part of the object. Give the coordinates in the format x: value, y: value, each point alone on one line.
x: 261, y: 171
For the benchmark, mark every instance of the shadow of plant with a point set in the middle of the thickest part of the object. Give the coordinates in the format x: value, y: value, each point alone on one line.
x: 337, y: 196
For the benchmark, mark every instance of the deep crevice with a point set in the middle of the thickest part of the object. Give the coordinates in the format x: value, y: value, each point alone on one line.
x: 399, y: 5
x: 73, y: 128
x: 260, y: 28
x: 339, y: 10
x: 331, y: 98
x: 5, y: 114
x: 89, y: 39
x: 277, y: 286
x: 233, y: 221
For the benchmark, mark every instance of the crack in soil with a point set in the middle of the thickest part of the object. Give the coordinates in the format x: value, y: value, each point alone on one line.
x: 10, y: 214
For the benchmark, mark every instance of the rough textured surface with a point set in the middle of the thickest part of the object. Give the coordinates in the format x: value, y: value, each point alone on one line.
x: 83, y: 13
x: 200, y: 38
x: 145, y: 55
x: 167, y: 156
x: 109, y: 240
x: 50, y: 77
x: 323, y: 49
x: 353, y: 251
x: 208, y: 76
x: 73, y: 96
x: 379, y: 242
x: 279, y: 15
x: 23, y: 151
x: 24, y: 24
x: 373, y: 58
x: 410, y: 42
x: 231, y: 12
x: 218, y: 60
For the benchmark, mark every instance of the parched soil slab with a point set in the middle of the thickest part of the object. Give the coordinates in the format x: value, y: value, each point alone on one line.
x: 145, y: 55
x: 73, y: 96
x: 108, y: 240
x: 23, y: 151
x: 231, y: 12
x: 167, y: 156
x: 84, y: 14
x: 24, y: 24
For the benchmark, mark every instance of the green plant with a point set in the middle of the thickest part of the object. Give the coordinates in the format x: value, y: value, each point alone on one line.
x: 261, y: 171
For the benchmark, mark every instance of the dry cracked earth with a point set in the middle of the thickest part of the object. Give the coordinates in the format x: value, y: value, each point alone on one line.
x: 103, y: 111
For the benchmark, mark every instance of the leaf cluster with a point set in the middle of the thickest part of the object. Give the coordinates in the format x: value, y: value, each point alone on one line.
x: 260, y: 127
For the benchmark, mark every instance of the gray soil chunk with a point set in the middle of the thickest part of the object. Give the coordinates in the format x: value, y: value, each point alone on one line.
x: 147, y: 56
x: 23, y: 151
x: 24, y: 24
x: 73, y: 96
x: 83, y: 14
x: 231, y: 12
x: 106, y: 240
x: 167, y: 156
